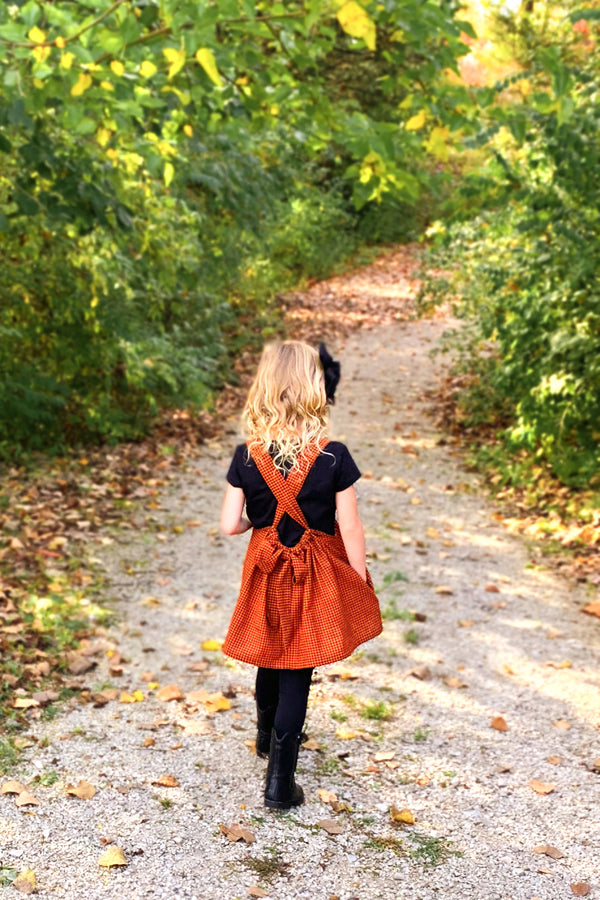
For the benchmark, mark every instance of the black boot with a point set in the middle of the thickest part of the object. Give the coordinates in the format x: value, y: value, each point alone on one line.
x: 281, y: 790
x: 264, y: 721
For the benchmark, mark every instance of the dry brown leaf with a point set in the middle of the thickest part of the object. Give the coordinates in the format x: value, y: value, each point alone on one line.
x: 466, y: 623
x: 169, y: 692
x: 101, y: 698
x: 595, y: 767
x: 217, y: 703
x: 312, y: 744
x: 25, y: 882
x: 79, y: 664
x: 554, y: 760
x: 166, y: 781
x: 563, y: 664
x: 548, y: 850
x: 339, y: 805
x: 196, y: 696
x: 541, y: 787
x: 26, y: 799
x: 562, y: 724
x: 580, y: 889
x: 330, y: 826
x: 432, y: 533
x: 12, y: 787
x: 423, y: 673
x: 192, y: 726
x: 112, y: 856
x: 149, y: 742
x: 24, y: 703
x: 200, y: 666
x: 84, y: 790
x: 444, y: 589
x: 326, y: 796
x: 454, y: 681
x: 403, y: 816
x: 341, y: 672
x: 383, y: 755
x: 499, y: 723
x: 236, y: 832
x: 257, y: 892
x: 492, y: 589
x: 592, y: 609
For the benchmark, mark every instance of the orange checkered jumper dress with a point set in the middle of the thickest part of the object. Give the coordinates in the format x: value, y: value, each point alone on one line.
x: 300, y: 606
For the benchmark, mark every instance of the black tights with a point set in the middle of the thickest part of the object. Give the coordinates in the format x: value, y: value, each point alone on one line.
x: 287, y: 690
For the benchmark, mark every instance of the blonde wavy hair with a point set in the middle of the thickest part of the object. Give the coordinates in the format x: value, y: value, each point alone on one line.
x: 287, y: 406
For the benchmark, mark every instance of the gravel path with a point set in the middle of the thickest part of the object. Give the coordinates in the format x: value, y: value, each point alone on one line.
x: 405, y: 723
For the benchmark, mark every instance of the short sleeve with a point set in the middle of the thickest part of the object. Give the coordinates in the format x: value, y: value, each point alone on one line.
x: 347, y: 472
x: 234, y: 474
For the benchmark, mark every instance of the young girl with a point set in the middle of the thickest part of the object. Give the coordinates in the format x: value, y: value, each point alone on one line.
x: 306, y: 597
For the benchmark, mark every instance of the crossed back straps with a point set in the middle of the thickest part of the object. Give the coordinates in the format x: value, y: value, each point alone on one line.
x: 286, y: 489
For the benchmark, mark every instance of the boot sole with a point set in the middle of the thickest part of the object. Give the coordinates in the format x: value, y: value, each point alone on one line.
x: 279, y: 804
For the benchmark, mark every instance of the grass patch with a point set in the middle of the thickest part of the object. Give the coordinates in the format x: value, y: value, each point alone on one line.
x: 376, y: 709
x: 421, y: 734
x: 391, y: 612
x: 266, y: 867
x: 386, y: 843
x: 9, y: 755
x: 430, y: 851
x: 338, y: 716
x: 328, y: 766
x: 411, y: 636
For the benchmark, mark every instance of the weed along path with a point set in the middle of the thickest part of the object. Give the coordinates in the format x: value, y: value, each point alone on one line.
x: 453, y: 757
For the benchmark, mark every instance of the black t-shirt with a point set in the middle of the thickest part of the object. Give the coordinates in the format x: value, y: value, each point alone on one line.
x: 333, y: 471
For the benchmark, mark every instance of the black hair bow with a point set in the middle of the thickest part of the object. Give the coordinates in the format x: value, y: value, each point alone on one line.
x: 332, y: 370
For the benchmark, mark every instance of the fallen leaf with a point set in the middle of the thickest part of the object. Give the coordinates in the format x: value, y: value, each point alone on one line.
x: 257, y: 892
x: 540, y: 787
x: 166, y: 781
x: 12, y: 787
x: 444, y: 589
x: 563, y: 664
x: 211, y: 645
x: 592, y: 609
x: 492, y: 589
x: 554, y: 760
x: 101, y: 698
x: 383, y: 755
x: 326, y: 796
x: 548, y: 850
x: 169, y: 692
x: 217, y: 703
x: 423, y: 780
x: 112, y: 856
x: 24, y: 703
x: 79, y: 665
x: 344, y: 734
x: 580, y: 889
x: 423, y: 673
x: 403, y: 816
x: 194, y: 697
x: 25, y: 882
x: 312, y: 744
x: 237, y: 832
x: 466, y: 623
x: 432, y: 533
x: 200, y: 666
x: 330, y: 826
x: 149, y: 742
x: 454, y: 681
x: 339, y: 806
x: 341, y: 672
x: 499, y: 724
x: 191, y: 726
x: 84, y: 790
x: 26, y: 799
x: 562, y: 724
x: 595, y: 767
x: 131, y: 698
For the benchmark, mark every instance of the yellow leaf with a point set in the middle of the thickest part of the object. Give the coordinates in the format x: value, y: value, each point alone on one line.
x: 217, y: 703
x: 38, y: 83
x: 126, y: 698
x: 189, y: 131
x: 103, y: 136
x: 25, y: 882
x: 152, y: 685
x: 356, y: 22
x: 416, y: 122
x: 176, y: 60
x: 345, y: 734
x: 117, y: 67
x: 37, y: 35
x: 433, y: 533
x: 147, y: 69
x: 112, y: 856
x: 206, y: 58
x: 169, y: 173
x: 402, y: 815
x: 60, y: 42
x: 107, y: 86
x: 397, y: 35
x: 81, y: 85
x: 40, y: 54
x: 437, y: 144
x: 210, y: 645
x: 138, y: 696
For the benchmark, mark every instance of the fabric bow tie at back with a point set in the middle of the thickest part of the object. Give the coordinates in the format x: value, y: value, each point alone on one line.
x: 332, y: 370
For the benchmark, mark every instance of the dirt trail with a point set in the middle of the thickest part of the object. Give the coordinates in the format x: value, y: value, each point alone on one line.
x: 500, y: 637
